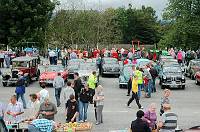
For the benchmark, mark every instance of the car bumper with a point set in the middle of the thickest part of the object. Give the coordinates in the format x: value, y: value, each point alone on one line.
x: 123, y: 83
x: 174, y: 85
x: 46, y: 81
x: 9, y: 81
x: 111, y: 73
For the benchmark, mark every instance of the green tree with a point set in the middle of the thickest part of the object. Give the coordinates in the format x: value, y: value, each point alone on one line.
x: 24, y: 20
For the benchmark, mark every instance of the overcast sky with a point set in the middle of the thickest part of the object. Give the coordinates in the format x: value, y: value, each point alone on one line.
x: 158, y: 5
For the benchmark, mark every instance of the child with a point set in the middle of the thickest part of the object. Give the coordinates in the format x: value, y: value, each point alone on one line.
x: 165, y: 100
x: 71, y: 109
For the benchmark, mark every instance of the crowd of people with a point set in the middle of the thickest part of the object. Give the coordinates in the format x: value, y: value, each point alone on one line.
x: 78, y: 98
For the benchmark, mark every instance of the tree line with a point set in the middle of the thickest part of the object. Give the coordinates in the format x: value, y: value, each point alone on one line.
x: 24, y: 21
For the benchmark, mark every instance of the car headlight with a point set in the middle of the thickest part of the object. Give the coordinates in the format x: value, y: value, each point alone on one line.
x: 164, y: 77
x: 183, y: 78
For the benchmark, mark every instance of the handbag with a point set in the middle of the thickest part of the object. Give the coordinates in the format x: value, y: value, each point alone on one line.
x: 154, y: 129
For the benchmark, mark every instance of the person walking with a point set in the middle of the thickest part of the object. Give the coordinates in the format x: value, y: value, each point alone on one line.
x: 150, y: 117
x: 154, y: 75
x: 43, y: 94
x: 135, y: 92
x: 77, y: 85
x: 92, y: 84
x: 139, y: 76
x: 20, y: 90
x: 71, y: 109
x: 99, y: 99
x: 139, y: 125
x: 85, y: 97
x: 58, y: 83
x: 68, y: 91
x: 148, y: 77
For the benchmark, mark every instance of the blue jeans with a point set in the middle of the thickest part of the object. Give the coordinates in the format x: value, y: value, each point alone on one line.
x: 149, y: 88
x: 57, y: 95
x: 32, y: 128
x: 139, y: 90
x: 23, y: 99
x: 83, y: 110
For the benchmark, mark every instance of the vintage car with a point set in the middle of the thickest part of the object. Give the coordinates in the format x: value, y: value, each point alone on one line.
x: 193, y: 67
x: 27, y: 66
x: 197, y: 77
x: 172, y: 77
x: 49, y: 72
x: 193, y: 129
x: 85, y: 70
x: 73, y: 66
x: 110, y: 66
x: 142, y: 62
x: 125, y: 74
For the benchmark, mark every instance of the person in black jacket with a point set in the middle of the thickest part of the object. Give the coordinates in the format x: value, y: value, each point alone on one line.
x: 154, y: 74
x: 77, y: 85
x: 139, y: 125
x: 129, y: 86
x: 85, y: 96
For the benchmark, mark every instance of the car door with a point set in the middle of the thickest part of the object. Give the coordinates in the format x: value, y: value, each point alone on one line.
x: 33, y: 67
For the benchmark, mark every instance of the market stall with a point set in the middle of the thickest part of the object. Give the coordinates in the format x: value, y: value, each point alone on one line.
x: 75, y: 127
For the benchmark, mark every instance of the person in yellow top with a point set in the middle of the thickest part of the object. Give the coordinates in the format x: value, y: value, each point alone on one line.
x: 134, y: 92
x: 139, y: 75
x: 92, y: 81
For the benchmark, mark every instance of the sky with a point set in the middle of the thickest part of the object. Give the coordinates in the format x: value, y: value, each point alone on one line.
x: 158, y: 5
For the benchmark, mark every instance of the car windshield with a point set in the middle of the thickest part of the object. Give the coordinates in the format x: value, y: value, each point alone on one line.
x: 143, y: 63
x: 51, y: 68
x: 110, y: 61
x: 87, y: 67
x: 172, y: 69
x: 20, y: 64
x: 127, y: 70
x: 75, y: 61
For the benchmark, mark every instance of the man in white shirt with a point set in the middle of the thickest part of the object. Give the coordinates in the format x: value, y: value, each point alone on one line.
x: 34, y: 106
x: 43, y: 94
x: 58, y: 83
x: 68, y: 91
x: 14, y: 110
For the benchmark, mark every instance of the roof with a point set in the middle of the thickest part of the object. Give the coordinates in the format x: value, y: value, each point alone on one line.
x: 24, y: 58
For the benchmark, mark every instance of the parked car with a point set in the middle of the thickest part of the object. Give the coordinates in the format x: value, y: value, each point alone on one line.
x: 26, y: 66
x: 197, y: 77
x: 193, y: 67
x: 172, y: 77
x: 73, y: 66
x: 85, y: 70
x: 125, y: 74
x: 50, y: 72
x: 193, y: 129
x: 142, y: 62
x: 110, y: 66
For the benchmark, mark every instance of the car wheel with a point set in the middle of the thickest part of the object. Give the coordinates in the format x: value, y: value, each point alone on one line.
x: 27, y: 82
x: 192, y: 77
x: 162, y: 86
x: 4, y: 84
x: 197, y: 82
x: 120, y: 86
x: 183, y: 87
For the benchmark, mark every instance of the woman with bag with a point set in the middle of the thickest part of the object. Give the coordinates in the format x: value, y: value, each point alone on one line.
x: 150, y: 117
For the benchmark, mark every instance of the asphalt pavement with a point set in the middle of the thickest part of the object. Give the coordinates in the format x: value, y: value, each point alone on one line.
x: 116, y: 115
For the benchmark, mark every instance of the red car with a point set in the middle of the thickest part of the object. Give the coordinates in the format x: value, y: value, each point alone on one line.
x: 50, y: 72
x: 197, y: 77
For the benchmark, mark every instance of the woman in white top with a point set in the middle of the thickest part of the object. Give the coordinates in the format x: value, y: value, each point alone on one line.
x: 43, y: 94
x: 99, y: 99
x: 68, y: 91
